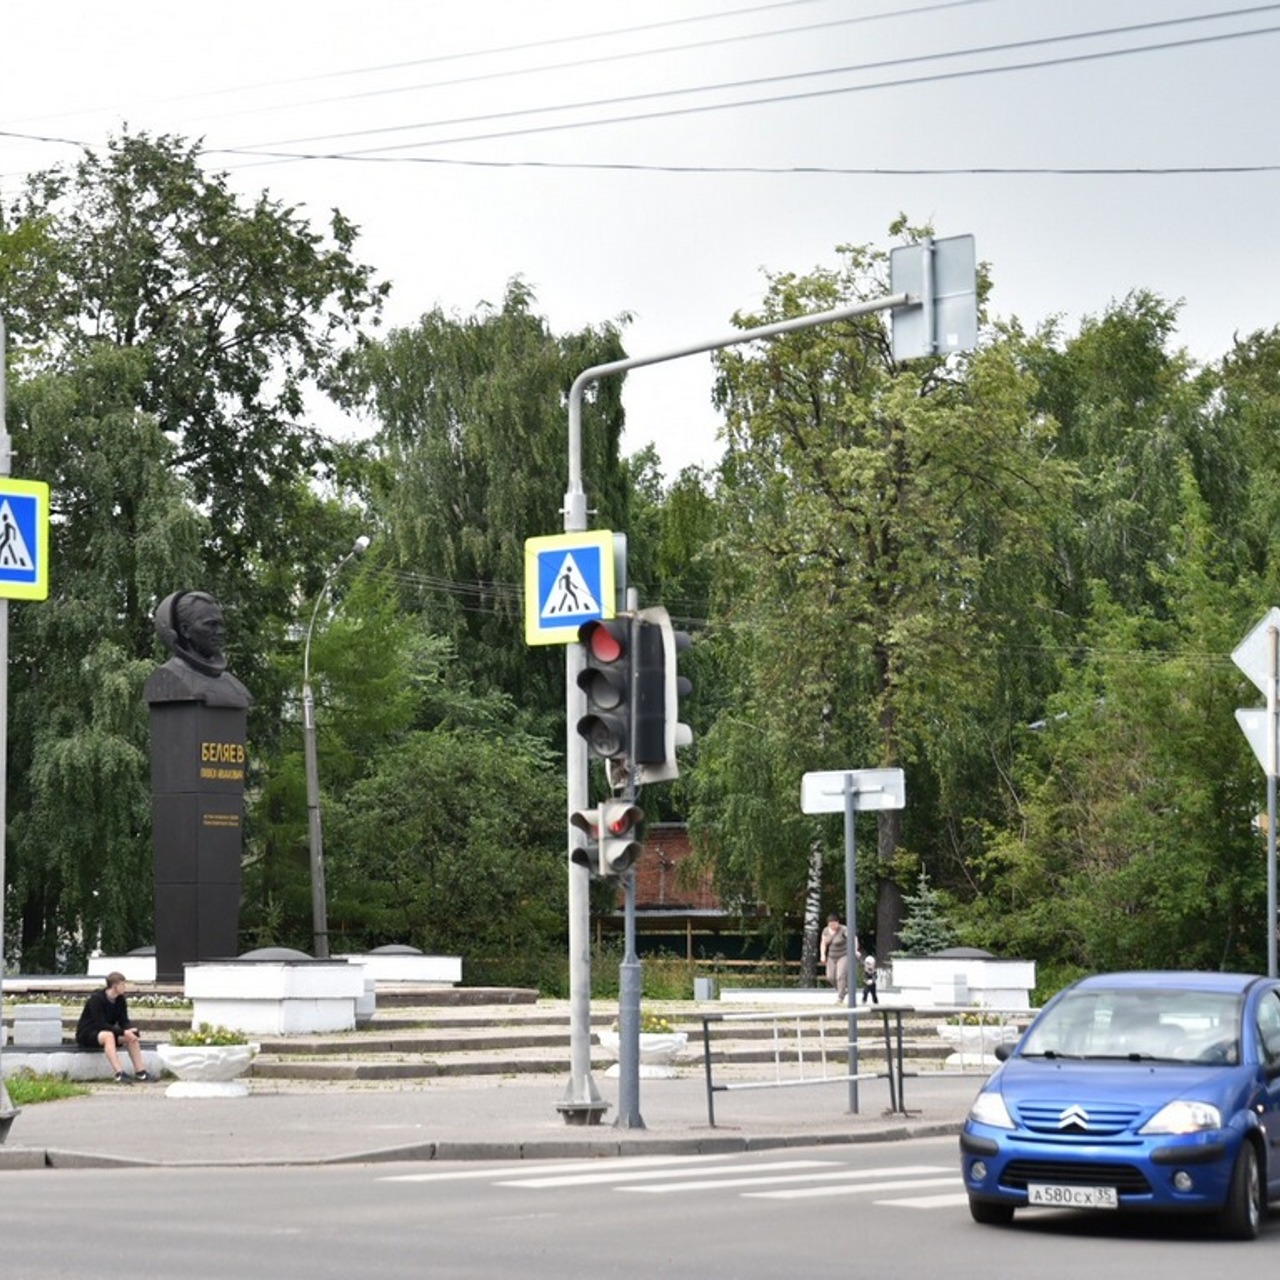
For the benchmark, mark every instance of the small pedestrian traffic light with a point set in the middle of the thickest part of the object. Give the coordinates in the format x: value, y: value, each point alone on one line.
x: 619, y: 837
x: 588, y: 854
x: 606, y: 680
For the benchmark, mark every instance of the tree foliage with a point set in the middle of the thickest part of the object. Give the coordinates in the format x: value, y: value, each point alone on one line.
x: 879, y: 521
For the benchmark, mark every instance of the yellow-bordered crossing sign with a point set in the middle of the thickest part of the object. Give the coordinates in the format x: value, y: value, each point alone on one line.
x: 568, y: 580
x: 24, y: 539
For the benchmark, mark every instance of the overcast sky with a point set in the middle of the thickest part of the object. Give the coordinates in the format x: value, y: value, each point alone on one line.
x: 657, y: 158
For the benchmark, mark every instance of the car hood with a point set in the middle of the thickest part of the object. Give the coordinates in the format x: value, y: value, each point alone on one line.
x: 1029, y: 1080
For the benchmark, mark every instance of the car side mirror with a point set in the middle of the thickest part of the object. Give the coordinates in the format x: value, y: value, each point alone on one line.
x: 1002, y: 1052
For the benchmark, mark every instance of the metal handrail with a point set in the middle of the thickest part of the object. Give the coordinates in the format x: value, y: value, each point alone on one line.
x: 891, y: 1022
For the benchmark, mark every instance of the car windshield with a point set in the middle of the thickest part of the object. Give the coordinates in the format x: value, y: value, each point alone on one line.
x: 1162, y: 1025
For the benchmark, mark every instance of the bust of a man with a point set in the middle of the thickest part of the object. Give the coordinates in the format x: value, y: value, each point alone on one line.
x: 191, y: 625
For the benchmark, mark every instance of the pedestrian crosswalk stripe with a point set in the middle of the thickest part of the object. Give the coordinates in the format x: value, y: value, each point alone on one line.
x: 749, y: 1178
x: 953, y: 1200
x: 624, y: 1174
x: 533, y: 1168
x: 854, y: 1189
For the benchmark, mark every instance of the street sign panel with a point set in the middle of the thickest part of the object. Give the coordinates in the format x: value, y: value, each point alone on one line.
x: 568, y: 580
x: 1255, y: 724
x: 872, y: 789
x: 943, y: 273
x: 1253, y: 654
x: 24, y: 539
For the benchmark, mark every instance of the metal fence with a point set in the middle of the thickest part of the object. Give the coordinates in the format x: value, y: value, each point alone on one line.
x: 806, y: 1053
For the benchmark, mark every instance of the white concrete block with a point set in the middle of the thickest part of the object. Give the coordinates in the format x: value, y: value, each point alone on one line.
x: 392, y: 967
x: 137, y: 968
x: 37, y: 1024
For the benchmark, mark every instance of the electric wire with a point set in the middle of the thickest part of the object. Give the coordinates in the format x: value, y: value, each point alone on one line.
x: 771, y: 100
x: 851, y: 69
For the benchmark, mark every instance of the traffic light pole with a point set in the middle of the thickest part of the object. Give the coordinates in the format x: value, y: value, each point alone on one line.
x: 629, y: 981
x: 582, y: 1103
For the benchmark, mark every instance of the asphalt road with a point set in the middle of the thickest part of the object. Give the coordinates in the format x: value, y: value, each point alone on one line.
x: 866, y: 1211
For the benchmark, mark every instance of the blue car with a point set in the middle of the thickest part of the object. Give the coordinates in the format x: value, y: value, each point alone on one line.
x: 1136, y: 1091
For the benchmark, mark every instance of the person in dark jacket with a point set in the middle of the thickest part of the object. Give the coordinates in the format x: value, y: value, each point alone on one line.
x: 104, y: 1023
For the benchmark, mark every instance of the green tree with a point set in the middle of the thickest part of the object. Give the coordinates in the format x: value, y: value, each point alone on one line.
x: 884, y: 536
x: 926, y: 930
x: 162, y: 334
x: 122, y: 526
x: 471, y: 461
x: 231, y: 311
x: 454, y: 842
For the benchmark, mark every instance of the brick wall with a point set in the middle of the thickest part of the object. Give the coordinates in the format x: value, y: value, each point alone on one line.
x: 663, y: 880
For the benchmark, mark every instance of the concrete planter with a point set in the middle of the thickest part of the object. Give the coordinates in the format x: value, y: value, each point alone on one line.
x: 975, y: 1046
x: 207, y: 1070
x: 658, y: 1052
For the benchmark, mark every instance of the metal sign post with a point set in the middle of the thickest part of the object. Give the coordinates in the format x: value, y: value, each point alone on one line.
x: 1258, y: 656
x: 849, y: 790
x: 7, y: 1111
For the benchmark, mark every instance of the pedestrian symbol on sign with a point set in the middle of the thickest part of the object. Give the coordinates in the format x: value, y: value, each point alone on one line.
x: 14, y: 553
x: 570, y: 596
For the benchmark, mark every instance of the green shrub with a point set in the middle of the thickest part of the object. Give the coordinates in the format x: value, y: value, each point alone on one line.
x: 205, y: 1034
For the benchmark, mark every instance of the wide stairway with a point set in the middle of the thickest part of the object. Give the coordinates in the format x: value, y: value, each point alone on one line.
x: 423, y: 1033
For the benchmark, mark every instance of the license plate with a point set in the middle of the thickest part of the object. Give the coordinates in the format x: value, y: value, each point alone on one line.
x: 1057, y: 1197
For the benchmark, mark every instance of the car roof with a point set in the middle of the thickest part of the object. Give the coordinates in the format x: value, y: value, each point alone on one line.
x: 1164, y: 979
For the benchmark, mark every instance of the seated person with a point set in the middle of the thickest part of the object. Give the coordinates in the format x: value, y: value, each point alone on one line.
x: 104, y: 1023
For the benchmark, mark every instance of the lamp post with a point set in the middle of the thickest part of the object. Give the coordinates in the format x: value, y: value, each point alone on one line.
x: 319, y: 910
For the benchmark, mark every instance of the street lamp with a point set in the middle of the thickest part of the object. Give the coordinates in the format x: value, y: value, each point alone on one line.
x: 319, y: 911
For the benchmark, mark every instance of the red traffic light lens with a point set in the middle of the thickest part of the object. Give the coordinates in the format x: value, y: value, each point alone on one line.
x: 604, y: 645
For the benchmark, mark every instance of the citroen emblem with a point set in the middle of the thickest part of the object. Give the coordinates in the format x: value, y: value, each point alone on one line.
x: 1074, y: 1116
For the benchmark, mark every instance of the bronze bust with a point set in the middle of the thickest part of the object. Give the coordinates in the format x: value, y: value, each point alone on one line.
x: 191, y: 625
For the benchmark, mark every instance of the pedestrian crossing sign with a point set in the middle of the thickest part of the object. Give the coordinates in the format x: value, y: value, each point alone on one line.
x: 568, y: 580
x: 24, y: 539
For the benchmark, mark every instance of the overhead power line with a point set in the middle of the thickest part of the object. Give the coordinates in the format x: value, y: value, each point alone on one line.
x: 775, y: 99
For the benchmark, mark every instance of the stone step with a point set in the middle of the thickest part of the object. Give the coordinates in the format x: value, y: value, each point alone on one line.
x: 489, y: 1031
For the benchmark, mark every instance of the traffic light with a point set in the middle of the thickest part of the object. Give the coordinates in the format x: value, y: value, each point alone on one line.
x: 587, y: 855
x: 606, y: 681
x: 659, y: 764
x: 619, y: 839
x: 648, y: 674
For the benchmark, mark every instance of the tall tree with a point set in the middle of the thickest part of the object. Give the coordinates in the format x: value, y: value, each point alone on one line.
x: 122, y: 528
x: 162, y: 334
x: 232, y: 309
x: 883, y: 532
x: 472, y: 447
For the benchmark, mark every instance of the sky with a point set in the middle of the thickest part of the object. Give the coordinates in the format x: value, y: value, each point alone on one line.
x: 656, y: 161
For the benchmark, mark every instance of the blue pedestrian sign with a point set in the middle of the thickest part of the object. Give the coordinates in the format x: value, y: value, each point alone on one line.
x: 24, y: 539
x: 568, y: 580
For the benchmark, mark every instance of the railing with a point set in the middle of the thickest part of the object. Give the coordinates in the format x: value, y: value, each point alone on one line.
x: 791, y: 1066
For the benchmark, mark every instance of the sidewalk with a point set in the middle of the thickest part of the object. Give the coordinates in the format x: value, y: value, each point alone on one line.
x: 504, y: 1118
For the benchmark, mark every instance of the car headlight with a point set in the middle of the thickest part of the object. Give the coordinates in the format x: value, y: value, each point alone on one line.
x: 988, y: 1108
x: 1184, y: 1117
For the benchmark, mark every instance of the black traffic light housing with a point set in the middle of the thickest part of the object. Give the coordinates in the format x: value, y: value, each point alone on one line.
x: 606, y: 680
x: 666, y: 688
x: 588, y: 854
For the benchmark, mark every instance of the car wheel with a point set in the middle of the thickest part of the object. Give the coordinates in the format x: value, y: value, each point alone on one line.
x: 1241, y: 1217
x: 990, y: 1215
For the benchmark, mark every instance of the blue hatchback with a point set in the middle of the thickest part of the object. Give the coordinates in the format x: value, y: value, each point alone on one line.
x: 1136, y: 1091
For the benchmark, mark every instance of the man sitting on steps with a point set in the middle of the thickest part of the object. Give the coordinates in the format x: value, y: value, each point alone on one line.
x: 104, y: 1022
